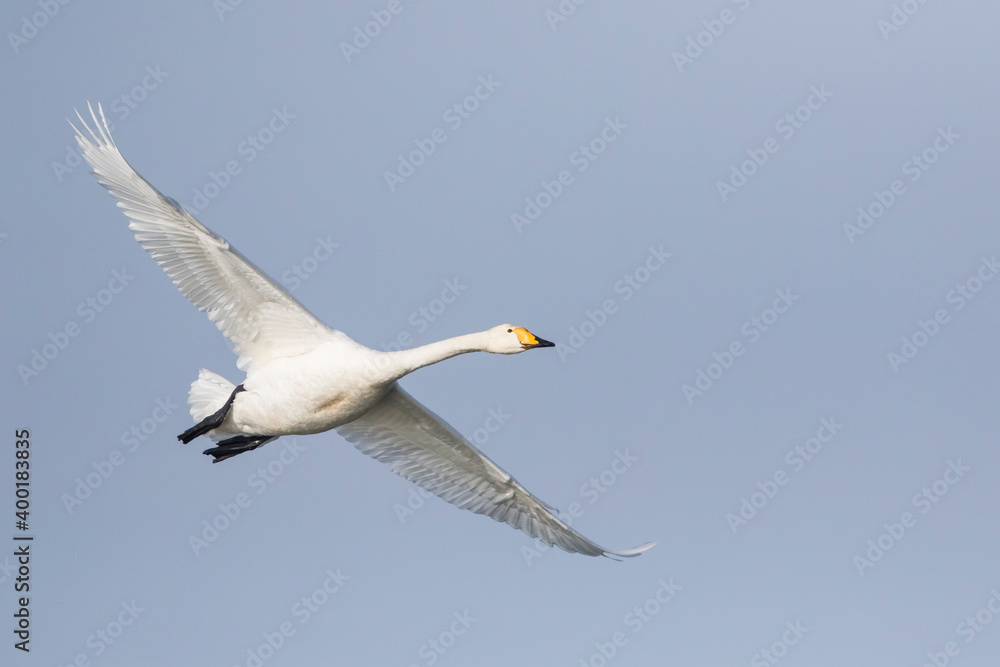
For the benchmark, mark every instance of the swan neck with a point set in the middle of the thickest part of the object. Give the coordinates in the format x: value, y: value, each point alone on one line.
x: 410, y: 360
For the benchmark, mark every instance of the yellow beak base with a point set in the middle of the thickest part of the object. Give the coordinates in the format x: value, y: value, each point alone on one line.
x: 529, y: 340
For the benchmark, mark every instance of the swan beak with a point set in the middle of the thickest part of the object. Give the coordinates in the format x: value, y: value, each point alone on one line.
x: 530, y: 341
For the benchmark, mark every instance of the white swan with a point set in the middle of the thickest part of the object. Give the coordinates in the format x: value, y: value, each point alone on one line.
x: 303, y: 377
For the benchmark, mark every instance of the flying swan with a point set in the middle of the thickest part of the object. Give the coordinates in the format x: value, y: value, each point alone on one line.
x: 303, y: 377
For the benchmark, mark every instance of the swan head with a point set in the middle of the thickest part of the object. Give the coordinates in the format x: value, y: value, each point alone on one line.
x: 512, y: 339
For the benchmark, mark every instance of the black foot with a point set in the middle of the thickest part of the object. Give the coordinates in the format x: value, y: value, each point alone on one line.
x: 237, y: 445
x: 214, y: 420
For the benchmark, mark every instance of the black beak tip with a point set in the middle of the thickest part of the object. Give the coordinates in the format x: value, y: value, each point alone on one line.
x: 543, y: 343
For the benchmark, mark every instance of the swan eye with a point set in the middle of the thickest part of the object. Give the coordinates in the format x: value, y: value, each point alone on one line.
x: 510, y: 331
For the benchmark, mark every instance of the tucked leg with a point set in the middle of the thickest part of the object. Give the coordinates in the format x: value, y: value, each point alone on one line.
x: 214, y: 420
x: 237, y: 445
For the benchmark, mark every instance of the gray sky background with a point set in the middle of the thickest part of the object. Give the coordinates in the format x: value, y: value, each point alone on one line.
x: 197, y: 84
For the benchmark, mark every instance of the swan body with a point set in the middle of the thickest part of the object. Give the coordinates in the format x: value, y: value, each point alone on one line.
x: 335, y: 383
x: 303, y: 377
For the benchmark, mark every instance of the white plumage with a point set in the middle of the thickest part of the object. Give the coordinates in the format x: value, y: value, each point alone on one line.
x: 303, y: 377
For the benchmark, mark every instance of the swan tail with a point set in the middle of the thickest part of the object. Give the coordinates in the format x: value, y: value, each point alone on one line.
x: 209, y: 394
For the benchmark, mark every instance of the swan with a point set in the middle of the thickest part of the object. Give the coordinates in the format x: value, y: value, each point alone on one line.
x: 303, y: 377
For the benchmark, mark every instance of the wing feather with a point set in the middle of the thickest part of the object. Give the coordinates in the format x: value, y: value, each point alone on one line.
x: 261, y: 318
x: 421, y: 447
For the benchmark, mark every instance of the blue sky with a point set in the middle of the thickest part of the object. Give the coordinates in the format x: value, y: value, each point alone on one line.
x: 761, y: 233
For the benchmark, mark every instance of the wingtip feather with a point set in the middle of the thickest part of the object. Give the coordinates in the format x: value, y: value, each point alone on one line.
x: 630, y: 553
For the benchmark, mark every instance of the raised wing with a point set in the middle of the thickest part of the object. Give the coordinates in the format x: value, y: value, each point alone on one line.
x: 263, y: 321
x: 423, y: 448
